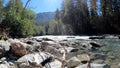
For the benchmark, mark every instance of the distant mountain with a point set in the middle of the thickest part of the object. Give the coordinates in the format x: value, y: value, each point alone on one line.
x: 45, y: 17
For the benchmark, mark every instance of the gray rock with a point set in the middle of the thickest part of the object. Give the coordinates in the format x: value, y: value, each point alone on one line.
x: 92, y: 65
x: 3, y: 66
x: 6, y: 65
x: 3, y: 59
x: 5, y: 45
x: 119, y: 65
x: 32, y: 60
x: 55, y: 64
x: 49, y: 43
x: 85, y: 45
x: 83, y: 58
x: 73, y: 62
x: 99, y: 61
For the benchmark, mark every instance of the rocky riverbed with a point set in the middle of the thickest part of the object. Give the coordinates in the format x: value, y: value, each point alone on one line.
x: 60, y: 52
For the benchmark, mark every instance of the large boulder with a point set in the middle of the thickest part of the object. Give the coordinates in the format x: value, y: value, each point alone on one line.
x: 18, y: 48
x: 92, y: 65
x: 71, y: 52
x: 84, y: 58
x: 73, y: 62
x: 34, y: 60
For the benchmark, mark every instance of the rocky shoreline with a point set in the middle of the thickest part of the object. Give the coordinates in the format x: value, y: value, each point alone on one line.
x: 52, y: 52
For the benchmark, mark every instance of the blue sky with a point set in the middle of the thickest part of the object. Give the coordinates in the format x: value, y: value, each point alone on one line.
x: 43, y: 5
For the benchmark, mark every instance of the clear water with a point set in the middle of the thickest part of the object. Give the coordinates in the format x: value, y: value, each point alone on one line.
x: 111, y: 50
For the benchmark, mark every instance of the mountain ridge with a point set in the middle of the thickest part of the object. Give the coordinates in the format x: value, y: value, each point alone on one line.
x: 44, y: 17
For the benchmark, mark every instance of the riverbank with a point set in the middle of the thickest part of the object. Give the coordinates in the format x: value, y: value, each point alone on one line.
x: 58, y: 52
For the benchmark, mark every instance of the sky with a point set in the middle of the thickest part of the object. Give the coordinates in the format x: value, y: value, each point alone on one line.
x: 43, y: 5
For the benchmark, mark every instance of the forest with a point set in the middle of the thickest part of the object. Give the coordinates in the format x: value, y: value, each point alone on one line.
x: 76, y: 17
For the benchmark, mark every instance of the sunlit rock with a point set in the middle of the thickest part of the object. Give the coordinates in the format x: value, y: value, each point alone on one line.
x: 18, y: 48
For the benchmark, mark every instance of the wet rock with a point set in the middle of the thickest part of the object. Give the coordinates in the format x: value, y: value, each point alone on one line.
x: 95, y: 44
x: 73, y: 62
x: 92, y: 65
x: 18, y: 48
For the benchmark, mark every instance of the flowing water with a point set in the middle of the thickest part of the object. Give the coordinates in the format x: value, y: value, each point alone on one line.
x: 111, y: 50
x: 109, y: 53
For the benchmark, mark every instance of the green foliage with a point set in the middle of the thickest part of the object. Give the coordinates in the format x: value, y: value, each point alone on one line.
x: 52, y: 25
x: 3, y: 37
x: 14, y: 24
